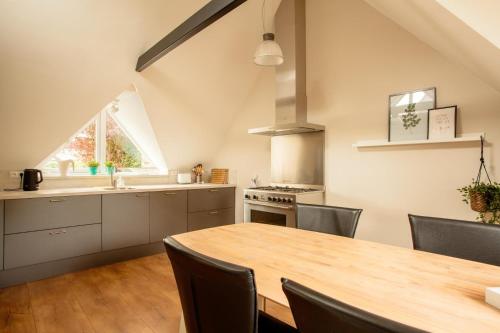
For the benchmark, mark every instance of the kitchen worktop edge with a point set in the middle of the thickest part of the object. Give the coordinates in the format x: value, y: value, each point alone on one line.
x: 74, y: 191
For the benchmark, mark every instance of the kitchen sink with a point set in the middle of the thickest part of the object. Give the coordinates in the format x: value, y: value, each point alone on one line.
x: 110, y: 188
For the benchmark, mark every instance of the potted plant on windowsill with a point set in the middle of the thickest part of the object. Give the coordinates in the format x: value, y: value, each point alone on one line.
x: 110, y: 167
x: 483, y: 198
x: 93, y: 167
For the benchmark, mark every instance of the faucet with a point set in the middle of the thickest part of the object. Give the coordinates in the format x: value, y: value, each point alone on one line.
x: 112, y: 179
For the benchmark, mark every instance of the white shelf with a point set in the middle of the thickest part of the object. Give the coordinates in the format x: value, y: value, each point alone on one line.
x: 470, y: 137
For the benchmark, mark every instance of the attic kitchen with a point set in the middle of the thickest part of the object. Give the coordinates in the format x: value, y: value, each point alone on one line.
x: 249, y: 166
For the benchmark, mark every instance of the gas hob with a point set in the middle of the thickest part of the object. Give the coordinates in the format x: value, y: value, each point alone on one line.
x: 283, y: 195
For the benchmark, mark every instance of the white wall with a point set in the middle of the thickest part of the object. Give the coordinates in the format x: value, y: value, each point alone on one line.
x: 355, y: 58
x: 63, y: 61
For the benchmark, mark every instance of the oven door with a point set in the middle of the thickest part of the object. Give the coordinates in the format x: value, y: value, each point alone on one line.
x: 269, y: 214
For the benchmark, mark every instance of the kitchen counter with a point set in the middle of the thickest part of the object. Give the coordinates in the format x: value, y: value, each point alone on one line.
x: 62, y: 192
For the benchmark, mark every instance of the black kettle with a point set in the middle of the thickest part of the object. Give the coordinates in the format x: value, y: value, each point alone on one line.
x: 31, y: 179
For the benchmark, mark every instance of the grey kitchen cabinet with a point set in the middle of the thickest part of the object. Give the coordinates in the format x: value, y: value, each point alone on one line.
x: 125, y: 220
x: 1, y: 234
x: 167, y: 214
x: 210, y: 219
x: 35, y: 247
x: 210, y: 199
x: 23, y: 215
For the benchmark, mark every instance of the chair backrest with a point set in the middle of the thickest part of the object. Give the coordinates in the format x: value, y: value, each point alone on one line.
x: 331, y: 220
x: 316, y: 313
x: 461, y: 239
x: 216, y: 296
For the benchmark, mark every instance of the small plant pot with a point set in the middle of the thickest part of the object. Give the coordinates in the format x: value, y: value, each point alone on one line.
x: 478, y: 202
x: 93, y: 170
x: 110, y: 169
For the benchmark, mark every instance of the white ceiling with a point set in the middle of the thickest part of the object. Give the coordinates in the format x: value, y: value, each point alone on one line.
x: 465, y: 32
x: 482, y: 16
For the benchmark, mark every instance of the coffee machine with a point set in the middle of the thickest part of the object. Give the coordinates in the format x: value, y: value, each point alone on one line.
x: 31, y: 179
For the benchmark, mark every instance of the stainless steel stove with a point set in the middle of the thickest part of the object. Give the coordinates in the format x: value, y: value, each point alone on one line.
x: 276, y: 204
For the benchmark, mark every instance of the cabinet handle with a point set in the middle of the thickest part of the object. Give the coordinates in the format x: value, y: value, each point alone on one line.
x: 169, y: 193
x: 58, y: 232
x: 214, y: 212
x: 141, y: 195
x: 213, y: 190
x: 57, y: 200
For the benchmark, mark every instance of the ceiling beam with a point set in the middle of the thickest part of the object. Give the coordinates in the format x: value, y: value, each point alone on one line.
x: 207, y: 15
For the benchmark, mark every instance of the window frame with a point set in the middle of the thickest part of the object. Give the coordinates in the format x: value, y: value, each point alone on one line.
x: 100, y: 150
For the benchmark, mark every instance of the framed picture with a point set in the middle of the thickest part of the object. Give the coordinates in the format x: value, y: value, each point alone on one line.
x: 408, y: 114
x: 442, y: 123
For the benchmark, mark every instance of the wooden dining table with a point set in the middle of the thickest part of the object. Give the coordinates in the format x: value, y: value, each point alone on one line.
x: 432, y: 292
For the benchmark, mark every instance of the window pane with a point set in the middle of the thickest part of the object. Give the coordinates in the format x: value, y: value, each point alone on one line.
x: 120, y: 149
x: 80, y: 149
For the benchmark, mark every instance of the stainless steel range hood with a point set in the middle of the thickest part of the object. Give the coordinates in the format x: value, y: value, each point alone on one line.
x: 291, y: 101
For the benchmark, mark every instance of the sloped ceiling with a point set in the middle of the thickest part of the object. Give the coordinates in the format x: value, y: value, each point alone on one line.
x: 482, y: 16
x: 463, y: 31
x: 63, y: 61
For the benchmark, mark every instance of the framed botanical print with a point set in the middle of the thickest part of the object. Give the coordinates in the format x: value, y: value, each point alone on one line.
x: 442, y: 123
x: 408, y: 114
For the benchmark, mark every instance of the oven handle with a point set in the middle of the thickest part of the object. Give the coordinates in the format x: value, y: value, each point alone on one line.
x: 260, y: 203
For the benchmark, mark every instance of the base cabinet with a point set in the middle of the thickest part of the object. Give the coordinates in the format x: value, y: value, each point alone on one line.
x: 50, y: 213
x: 125, y: 220
x: 210, y: 199
x: 1, y: 234
x: 36, y: 247
x: 210, y: 219
x: 39, y: 234
x: 167, y: 214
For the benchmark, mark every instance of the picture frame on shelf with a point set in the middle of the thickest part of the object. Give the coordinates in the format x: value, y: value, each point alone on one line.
x: 408, y: 114
x: 442, y: 123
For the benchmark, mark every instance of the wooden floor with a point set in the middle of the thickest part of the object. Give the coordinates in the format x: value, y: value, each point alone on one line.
x: 133, y: 296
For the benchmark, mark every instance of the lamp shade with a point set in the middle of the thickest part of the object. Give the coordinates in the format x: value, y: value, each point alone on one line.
x: 268, y: 52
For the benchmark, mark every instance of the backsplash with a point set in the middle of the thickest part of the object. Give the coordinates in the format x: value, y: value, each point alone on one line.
x: 88, y: 181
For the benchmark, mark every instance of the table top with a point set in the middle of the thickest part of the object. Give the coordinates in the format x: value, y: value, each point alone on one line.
x: 428, y: 291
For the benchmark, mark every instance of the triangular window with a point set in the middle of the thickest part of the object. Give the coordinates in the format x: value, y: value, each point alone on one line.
x: 121, y: 133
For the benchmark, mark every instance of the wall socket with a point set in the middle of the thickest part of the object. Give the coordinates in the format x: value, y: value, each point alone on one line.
x: 15, y: 174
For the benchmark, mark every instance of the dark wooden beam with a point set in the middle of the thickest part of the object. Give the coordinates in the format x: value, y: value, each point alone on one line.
x: 207, y: 15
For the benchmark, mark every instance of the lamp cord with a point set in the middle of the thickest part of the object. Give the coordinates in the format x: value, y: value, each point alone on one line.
x: 482, y: 166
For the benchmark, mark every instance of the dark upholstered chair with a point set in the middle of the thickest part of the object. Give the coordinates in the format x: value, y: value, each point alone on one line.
x: 217, y: 296
x: 316, y: 313
x: 331, y: 220
x: 461, y: 239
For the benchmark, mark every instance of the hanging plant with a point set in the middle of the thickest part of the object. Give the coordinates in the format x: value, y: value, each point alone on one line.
x: 483, y: 198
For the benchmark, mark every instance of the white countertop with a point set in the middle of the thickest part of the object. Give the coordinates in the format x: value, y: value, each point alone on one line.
x: 62, y: 192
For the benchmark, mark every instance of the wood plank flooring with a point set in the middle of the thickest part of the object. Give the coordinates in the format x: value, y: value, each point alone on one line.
x: 137, y: 296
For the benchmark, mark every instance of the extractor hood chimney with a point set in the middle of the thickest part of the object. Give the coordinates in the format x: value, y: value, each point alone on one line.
x: 291, y: 102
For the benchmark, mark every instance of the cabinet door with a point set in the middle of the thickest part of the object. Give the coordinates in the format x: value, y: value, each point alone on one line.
x: 22, y: 215
x: 35, y: 247
x: 210, y: 219
x: 167, y: 214
x: 1, y: 234
x: 125, y: 220
x: 210, y: 199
